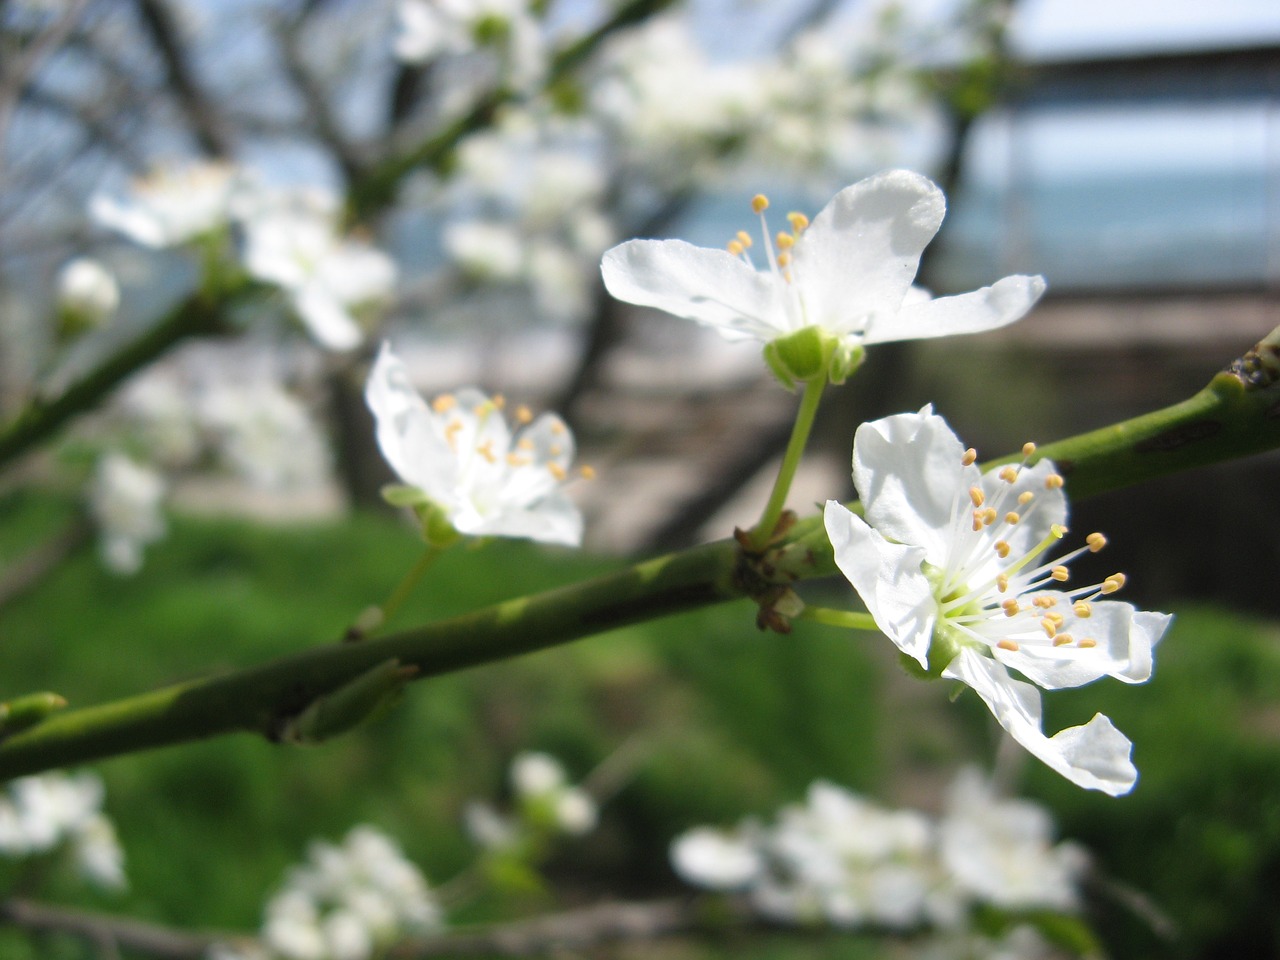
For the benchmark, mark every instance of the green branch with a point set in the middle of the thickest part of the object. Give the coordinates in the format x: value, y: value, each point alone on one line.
x: 39, y: 420
x: 1237, y: 414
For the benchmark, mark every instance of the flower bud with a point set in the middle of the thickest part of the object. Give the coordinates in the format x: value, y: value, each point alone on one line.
x: 88, y: 296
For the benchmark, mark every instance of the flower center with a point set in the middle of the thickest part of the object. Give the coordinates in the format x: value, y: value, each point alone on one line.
x: 992, y: 591
x: 777, y: 252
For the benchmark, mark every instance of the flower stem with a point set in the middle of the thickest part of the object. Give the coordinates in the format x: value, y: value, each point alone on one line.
x: 790, y: 461
x: 410, y: 580
x: 839, y: 618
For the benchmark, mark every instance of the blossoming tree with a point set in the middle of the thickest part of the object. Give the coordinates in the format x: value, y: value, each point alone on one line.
x: 532, y: 144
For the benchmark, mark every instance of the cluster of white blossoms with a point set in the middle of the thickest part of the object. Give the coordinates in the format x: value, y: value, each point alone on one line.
x: 952, y: 565
x: 430, y: 29
x: 841, y: 859
x: 462, y: 463
x: 545, y: 802
x: 346, y: 902
x: 846, y: 275
x: 292, y: 238
x: 45, y: 813
x: 525, y: 207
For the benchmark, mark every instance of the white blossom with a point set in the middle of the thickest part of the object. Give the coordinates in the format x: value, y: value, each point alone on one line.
x: 716, y: 859
x: 125, y: 498
x: 170, y: 206
x: 349, y: 901
x: 848, y: 274
x: 294, y: 243
x: 949, y: 562
x: 1002, y: 851
x: 463, y: 458
x: 44, y: 812
x: 542, y: 788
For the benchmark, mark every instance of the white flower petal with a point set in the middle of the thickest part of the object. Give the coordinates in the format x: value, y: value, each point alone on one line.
x: 326, y: 318
x: 404, y: 428
x: 715, y: 859
x: 887, y: 577
x: 1122, y: 637
x: 1094, y: 756
x: 858, y: 257
x: 995, y: 306
x: 907, y: 469
x: 709, y: 286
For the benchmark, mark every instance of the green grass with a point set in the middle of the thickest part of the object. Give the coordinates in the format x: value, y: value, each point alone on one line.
x: 721, y: 720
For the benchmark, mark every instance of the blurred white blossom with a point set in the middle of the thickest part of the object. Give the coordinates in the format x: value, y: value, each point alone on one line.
x: 348, y: 902
x: 427, y: 29
x: 170, y: 206
x: 44, y: 812
x: 840, y: 859
x: 294, y: 242
x: 125, y: 499
x: 459, y: 455
x: 1002, y: 850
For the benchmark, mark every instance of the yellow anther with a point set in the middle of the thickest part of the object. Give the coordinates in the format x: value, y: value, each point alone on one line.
x: 977, y: 496
x: 1002, y: 583
x: 1096, y: 542
x: 784, y: 259
x: 1028, y: 448
x: 524, y: 414
x: 798, y: 221
x: 1025, y: 497
x: 744, y: 238
x: 1045, y: 603
x: 785, y: 241
x: 989, y: 516
x: 1008, y: 474
x: 486, y: 450
x: 970, y: 457
x: 977, y: 520
x: 444, y: 403
x: 759, y: 203
x: 1054, y: 481
x: 734, y: 247
x: 515, y: 460
x: 1011, y: 607
x: 1050, y: 628
x: 588, y: 472
x: 1113, y: 583
x: 1062, y: 640
x: 1057, y: 618
x: 1002, y: 549
x: 499, y: 401
x: 556, y: 470
x: 1010, y: 645
x: 1060, y: 573
x: 524, y: 443
x: 1082, y: 609
x: 1087, y: 643
x: 557, y: 427
x: 451, y: 432
x: 1058, y: 530
x: 1012, y: 517
x: 555, y: 450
